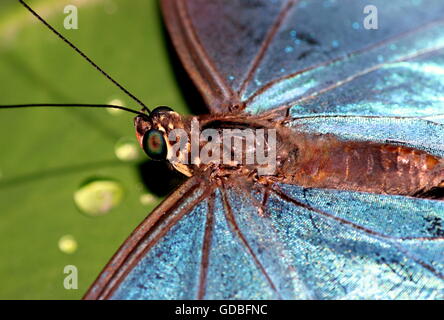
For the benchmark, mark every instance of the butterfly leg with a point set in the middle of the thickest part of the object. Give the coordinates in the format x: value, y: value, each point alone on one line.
x: 266, y: 183
x: 262, y: 209
x: 260, y: 205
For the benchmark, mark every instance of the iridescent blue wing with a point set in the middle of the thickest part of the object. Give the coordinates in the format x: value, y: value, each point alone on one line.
x: 394, y: 70
x: 217, y: 40
x: 172, y: 231
x: 343, y: 245
x: 305, y: 244
x: 314, y: 56
x: 420, y: 133
x: 202, y: 256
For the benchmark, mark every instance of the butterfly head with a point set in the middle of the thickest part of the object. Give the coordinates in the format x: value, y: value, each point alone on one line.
x: 152, y: 132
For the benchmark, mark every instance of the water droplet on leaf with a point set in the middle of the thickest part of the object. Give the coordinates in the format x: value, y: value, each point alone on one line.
x: 97, y: 197
x: 147, y: 199
x: 127, y: 149
x: 68, y: 244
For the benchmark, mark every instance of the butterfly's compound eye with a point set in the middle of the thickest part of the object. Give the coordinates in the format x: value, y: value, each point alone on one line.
x: 154, y: 144
x: 161, y: 109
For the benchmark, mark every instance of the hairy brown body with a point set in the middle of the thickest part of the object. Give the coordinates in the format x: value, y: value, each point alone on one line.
x: 322, y: 161
x: 327, y: 162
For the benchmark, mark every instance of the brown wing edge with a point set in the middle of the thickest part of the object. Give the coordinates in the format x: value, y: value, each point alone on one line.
x: 217, y: 94
x: 120, y: 264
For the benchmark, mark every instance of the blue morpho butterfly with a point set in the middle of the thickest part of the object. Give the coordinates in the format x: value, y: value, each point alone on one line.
x: 353, y: 210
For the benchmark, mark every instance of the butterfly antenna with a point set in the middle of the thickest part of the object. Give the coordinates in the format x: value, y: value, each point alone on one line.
x: 84, y: 56
x: 72, y: 105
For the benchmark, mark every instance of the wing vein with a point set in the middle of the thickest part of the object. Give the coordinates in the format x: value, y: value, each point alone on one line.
x: 202, y: 55
x: 232, y: 220
x: 344, y: 57
x: 369, y: 232
x: 351, y: 78
x: 206, y: 247
x: 134, y: 257
x: 134, y: 247
x: 286, y: 8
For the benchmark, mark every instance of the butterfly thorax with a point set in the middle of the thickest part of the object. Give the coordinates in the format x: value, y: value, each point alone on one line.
x: 226, y: 144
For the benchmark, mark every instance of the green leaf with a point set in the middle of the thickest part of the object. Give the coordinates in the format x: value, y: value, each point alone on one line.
x: 46, y: 155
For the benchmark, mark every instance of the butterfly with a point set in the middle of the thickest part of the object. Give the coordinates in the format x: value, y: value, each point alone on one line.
x: 350, y: 212
x: 208, y: 240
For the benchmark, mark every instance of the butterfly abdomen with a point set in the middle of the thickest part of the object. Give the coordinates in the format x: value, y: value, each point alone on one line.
x: 326, y: 162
